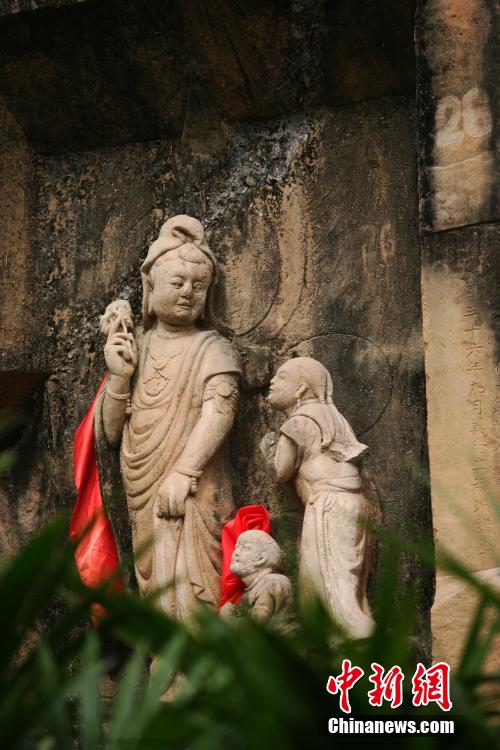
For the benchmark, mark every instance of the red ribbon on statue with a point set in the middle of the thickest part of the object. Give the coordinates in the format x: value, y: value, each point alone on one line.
x: 248, y: 517
x: 96, y: 553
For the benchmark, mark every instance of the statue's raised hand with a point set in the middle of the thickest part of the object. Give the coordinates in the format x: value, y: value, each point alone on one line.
x: 120, y: 351
x: 172, y: 495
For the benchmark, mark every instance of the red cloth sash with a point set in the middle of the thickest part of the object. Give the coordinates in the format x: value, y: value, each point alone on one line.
x: 248, y: 517
x: 96, y: 553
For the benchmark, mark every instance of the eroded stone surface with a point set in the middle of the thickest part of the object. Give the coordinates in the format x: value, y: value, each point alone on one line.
x: 17, y: 268
x: 457, y: 45
x: 69, y: 68
x: 463, y: 387
x: 462, y: 346
x: 11, y: 7
x: 453, y: 612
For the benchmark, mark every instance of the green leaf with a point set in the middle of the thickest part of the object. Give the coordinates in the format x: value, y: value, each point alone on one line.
x: 126, y: 700
x: 86, y: 688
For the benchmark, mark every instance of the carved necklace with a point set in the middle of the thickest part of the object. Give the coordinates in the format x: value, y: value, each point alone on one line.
x: 160, y: 377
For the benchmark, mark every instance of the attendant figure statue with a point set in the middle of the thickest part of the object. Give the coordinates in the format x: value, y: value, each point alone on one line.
x: 169, y: 403
x: 318, y: 450
x: 268, y: 593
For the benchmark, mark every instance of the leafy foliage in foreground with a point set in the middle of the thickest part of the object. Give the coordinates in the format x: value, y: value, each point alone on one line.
x: 244, y: 685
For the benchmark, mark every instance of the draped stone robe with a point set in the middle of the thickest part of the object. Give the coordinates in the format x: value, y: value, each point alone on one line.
x: 173, y: 378
x: 334, y: 542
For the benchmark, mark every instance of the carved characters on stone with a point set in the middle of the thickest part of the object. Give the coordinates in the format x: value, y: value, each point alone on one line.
x: 180, y: 379
x: 317, y: 449
x: 268, y: 593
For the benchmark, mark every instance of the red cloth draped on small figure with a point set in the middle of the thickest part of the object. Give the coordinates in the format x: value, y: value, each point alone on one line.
x: 96, y: 554
x: 247, y: 518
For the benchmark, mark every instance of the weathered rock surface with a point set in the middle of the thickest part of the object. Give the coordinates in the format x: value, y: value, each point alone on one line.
x: 84, y: 74
x: 458, y: 79
x: 457, y: 107
x: 462, y: 344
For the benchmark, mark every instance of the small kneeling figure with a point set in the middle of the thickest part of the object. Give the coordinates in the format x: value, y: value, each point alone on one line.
x: 268, y: 593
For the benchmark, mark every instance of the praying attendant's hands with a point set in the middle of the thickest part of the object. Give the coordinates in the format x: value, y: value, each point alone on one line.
x: 268, y: 444
x: 172, y: 495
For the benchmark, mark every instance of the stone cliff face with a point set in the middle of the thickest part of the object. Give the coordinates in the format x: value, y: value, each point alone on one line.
x: 289, y: 129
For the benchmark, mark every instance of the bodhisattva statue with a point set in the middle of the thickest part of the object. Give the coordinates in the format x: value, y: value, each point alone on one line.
x: 318, y: 450
x: 268, y: 593
x: 169, y: 403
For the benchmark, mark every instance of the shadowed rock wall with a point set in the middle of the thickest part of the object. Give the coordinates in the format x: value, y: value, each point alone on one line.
x: 105, y: 72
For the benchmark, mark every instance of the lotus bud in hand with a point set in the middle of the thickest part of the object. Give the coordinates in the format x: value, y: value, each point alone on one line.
x: 120, y: 351
x: 117, y: 311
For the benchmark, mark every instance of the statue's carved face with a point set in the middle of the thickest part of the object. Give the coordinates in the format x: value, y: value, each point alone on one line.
x: 248, y: 557
x: 283, y: 391
x: 179, y: 290
x: 254, y: 551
